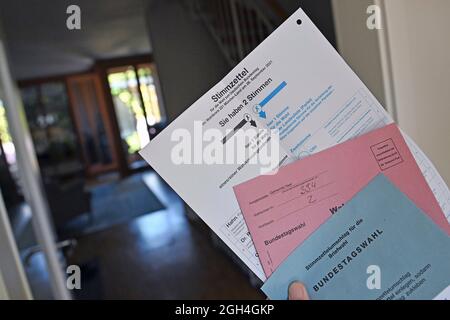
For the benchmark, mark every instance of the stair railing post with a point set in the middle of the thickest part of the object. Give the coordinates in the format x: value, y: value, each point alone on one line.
x: 237, y: 29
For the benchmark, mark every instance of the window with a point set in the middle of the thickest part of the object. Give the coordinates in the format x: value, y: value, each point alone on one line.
x: 9, y: 173
x: 48, y: 116
x: 7, y: 145
x: 136, y: 105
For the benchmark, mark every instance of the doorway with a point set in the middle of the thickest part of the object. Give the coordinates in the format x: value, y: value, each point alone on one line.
x: 137, y: 108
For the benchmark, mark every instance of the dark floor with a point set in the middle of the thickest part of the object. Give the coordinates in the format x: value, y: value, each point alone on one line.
x: 161, y: 255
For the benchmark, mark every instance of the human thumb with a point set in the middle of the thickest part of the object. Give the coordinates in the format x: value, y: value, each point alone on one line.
x: 297, y: 291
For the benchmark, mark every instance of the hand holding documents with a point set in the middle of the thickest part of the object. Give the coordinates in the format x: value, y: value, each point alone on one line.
x: 379, y: 227
x: 297, y: 84
x: 282, y: 210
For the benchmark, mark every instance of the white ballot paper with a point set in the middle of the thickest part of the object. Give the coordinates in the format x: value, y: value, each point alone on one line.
x: 294, y: 82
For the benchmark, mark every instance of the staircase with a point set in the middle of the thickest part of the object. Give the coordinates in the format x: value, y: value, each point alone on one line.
x: 238, y: 26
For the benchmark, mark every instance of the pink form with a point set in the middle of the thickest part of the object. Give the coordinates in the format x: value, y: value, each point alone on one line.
x: 283, y: 209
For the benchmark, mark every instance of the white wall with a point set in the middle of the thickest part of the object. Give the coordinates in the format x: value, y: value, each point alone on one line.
x: 419, y: 43
x: 187, y: 58
x: 358, y: 45
x: 406, y: 65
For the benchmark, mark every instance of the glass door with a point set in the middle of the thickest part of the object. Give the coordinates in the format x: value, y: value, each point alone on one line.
x: 138, y: 111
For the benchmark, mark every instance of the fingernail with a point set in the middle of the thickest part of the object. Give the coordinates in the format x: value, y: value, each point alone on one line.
x: 297, y: 291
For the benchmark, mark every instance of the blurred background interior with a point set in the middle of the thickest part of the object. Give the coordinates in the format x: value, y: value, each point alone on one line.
x: 91, y: 98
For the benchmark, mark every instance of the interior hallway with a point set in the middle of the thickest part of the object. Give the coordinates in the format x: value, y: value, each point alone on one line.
x: 161, y: 255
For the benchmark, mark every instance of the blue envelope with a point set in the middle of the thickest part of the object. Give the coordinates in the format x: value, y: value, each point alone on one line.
x: 378, y: 246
